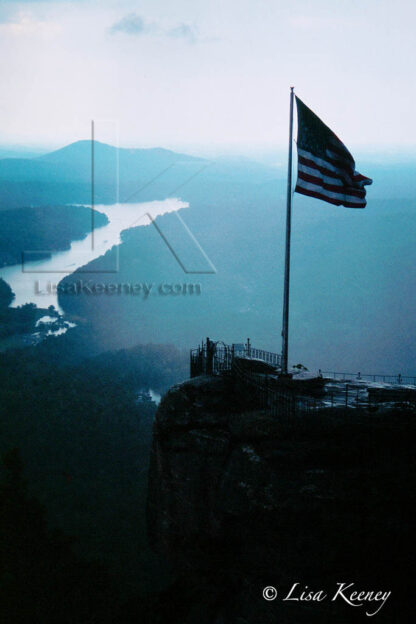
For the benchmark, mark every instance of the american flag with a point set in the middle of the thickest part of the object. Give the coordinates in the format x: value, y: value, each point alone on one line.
x: 326, y: 169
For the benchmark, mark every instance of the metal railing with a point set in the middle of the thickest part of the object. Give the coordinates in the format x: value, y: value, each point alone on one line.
x: 216, y: 358
x: 279, y: 402
x: 393, y: 379
x: 264, y: 390
x: 212, y: 358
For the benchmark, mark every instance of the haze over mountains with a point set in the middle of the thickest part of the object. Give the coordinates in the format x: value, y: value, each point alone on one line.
x: 352, y: 305
x: 64, y: 175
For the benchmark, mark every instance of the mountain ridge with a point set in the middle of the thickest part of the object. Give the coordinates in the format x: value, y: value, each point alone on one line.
x: 85, y: 144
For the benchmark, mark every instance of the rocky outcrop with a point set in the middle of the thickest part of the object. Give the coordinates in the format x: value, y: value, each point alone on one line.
x: 239, y: 500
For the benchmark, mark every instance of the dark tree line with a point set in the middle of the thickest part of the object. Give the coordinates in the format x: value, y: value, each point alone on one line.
x: 73, y: 539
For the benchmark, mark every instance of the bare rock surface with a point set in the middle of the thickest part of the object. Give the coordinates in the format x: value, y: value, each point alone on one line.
x: 239, y: 500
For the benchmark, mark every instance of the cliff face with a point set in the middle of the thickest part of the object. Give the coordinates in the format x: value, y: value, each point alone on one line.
x: 239, y: 500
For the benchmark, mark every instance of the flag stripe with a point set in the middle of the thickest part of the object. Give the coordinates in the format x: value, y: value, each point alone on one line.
x: 327, y: 198
x: 329, y: 179
x: 338, y: 162
x: 360, y: 177
x: 324, y: 166
x: 328, y: 169
x: 340, y: 193
x: 336, y: 195
x: 336, y: 188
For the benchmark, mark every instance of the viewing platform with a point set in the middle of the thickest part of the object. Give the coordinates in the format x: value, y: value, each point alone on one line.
x: 259, y: 372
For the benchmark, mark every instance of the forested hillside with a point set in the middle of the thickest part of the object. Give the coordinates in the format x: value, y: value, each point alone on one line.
x: 29, y: 233
x: 75, y: 437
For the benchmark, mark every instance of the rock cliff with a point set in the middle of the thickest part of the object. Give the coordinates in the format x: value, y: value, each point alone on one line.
x: 239, y: 500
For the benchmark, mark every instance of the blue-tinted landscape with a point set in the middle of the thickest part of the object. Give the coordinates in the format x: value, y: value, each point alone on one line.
x: 352, y: 301
x: 110, y: 299
x: 190, y: 432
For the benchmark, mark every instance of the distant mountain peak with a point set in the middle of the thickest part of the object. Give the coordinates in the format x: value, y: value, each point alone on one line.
x: 82, y: 148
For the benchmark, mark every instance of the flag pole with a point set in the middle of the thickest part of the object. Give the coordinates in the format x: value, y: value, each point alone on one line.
x: 285, y: 327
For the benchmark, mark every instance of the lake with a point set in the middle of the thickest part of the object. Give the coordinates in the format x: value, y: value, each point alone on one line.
x: 29, y: 284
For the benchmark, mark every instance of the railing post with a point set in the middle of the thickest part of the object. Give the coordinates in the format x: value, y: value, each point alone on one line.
x: 267, y: 390
x: 209, y: 357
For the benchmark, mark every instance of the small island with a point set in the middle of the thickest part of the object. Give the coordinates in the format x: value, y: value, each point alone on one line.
x: 26, y: 324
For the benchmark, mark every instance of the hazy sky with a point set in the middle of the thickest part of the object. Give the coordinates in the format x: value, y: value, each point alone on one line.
x: 206, y: 72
